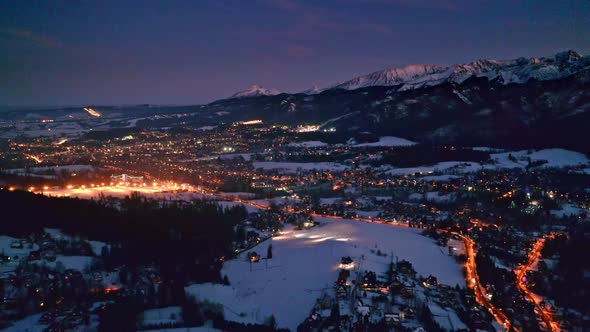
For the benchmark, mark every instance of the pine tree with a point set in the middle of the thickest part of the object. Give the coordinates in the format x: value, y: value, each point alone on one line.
x: 269, y: 252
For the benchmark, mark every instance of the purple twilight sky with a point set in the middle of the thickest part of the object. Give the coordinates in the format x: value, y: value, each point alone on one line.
x: 188, y: 52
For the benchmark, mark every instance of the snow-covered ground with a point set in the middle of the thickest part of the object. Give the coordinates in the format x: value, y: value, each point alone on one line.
x: 307, y: 144
x: 388, y: 141
x: 288, y: 167
x: 438, y: 178
x: 80, y: 263
x: 51, y: 169
x: 556, y: 158
x: 446, y: 318
x: 55, y: 129
x: 229, y: 156
x: 6, y: 248
x: 228, y: 204
x: 330, y: 200
x: 186, y: 329
x: 568, y: 210
x: 27, y: 324
x: 438, y: 197
x: 167, y: 315
x: 97, y: 246
x: 305, y: 263
x: 445, y: 166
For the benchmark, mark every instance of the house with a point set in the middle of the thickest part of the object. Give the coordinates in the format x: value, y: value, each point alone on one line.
x: 392, y: 318
x: 405, y: 267
x: 346, y: 263
x: 369, y: 279
x: 253, y: 257
x: 430, y: 281
x: 341, y: 291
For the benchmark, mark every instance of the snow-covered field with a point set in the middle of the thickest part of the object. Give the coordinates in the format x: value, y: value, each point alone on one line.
x: 305, y: 263
x: 6, y: 249
x: 308, y: 144
x: 167, y: 315
x: 43, y: 171
x: 569, y: 210
x: 388, y: 141
x: 446, y: 318
x: 80, y: 263
x: 186, y: 329
x: 556, y: 158
x: 27, y: 324
x: 55, y: 129
x: 288, y: 167
x: 228, y: 204
x: 445, y: 166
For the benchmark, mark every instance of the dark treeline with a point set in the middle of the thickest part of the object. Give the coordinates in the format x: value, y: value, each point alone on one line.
x: 423, y: 154
x: 184, y: 240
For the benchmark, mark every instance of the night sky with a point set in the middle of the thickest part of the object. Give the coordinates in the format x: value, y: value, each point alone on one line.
x: 187, y: 52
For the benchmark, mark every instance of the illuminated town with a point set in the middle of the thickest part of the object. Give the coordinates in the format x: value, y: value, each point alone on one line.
x: 437, y: 179
x: 490, y: 216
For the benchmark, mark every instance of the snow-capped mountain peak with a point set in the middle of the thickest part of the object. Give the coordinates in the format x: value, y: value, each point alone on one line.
x: 255, y: 91
x: 519, y: 70
x: 391, y: 76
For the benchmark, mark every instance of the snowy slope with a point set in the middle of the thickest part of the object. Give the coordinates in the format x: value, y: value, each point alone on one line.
x: 305, y: 263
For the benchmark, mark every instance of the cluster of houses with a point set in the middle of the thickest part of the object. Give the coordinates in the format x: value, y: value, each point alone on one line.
x: 56, y: 279
x: 396, y: 301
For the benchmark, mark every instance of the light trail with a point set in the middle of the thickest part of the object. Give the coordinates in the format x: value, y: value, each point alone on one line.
x: 35, y: 158
x: 474, y: 283
x: 92, y: 112
x: 533, y: 258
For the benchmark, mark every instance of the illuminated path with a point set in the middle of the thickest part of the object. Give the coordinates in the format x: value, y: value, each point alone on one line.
x: 533, y: 259
x: 474, y: 283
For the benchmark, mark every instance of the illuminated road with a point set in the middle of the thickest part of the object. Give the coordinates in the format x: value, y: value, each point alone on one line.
x: 474, y: 283
x: 534, y: 256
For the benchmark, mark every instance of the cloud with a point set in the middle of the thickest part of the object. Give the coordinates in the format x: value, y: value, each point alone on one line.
x: 31, y: 37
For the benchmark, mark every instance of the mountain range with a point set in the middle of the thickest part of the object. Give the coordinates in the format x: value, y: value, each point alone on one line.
x: 522, y: 102
x: 415, y: 76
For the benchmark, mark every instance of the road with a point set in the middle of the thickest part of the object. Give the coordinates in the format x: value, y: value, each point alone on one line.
x: 533, y: 259
x: 474, y: 283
